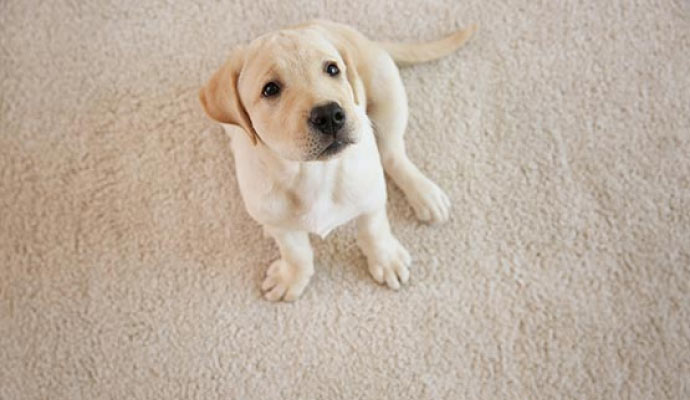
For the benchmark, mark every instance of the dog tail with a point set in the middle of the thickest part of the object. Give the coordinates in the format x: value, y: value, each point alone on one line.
x: 413, y: 53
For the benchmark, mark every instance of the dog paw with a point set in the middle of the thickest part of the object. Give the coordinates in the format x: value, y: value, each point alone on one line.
x: 389, y: 263
x: 284, y: 281
x: 429, y: 202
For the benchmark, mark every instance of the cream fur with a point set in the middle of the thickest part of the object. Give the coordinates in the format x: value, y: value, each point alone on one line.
x: 286, y: 184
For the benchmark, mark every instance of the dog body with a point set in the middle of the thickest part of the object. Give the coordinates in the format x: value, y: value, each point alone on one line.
x: 314, y: 197
x: 323, y: 112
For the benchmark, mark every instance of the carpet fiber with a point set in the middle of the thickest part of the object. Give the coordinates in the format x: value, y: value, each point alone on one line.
x: 130, y: 270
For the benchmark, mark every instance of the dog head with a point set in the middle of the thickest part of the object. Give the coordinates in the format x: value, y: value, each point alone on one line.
x: 292, y: 90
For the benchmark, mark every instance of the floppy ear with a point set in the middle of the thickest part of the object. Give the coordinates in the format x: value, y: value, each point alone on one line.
x: 353, y: 78
x: 220, y: 98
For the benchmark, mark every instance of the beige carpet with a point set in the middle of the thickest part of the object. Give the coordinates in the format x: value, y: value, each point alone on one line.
x: 130, y: 270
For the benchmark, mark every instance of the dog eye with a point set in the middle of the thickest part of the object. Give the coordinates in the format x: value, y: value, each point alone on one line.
x: 271, y: 89
x: 332, y: 69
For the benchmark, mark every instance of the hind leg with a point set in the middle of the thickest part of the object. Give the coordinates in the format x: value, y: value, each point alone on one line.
x: 388, y: 112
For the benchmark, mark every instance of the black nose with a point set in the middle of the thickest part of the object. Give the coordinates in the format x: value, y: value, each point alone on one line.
x: 328, y: 118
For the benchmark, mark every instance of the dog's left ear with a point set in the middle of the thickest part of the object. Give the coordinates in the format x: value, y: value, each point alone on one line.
x: 353, y: 78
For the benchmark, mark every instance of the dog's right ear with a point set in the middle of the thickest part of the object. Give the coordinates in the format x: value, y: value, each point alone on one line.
x: 220, y: 97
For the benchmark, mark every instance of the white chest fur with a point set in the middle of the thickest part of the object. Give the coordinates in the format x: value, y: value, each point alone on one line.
x: 312, y: 196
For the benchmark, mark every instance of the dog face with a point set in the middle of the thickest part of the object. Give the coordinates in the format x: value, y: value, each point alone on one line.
x: 293, y: 90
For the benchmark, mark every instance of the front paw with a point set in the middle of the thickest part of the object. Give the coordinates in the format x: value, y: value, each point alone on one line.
x: 389, y: 263
x: 284, y: 281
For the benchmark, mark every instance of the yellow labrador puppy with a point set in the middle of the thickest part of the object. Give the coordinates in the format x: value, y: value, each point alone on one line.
x: 323, y: 110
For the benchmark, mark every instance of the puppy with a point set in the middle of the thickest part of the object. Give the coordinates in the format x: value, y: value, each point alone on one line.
x: 323, y: 111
